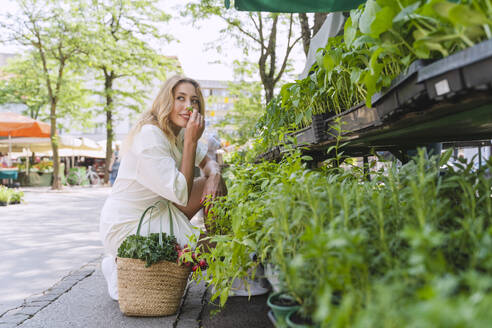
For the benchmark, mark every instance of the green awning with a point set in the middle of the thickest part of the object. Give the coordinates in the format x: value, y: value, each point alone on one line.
x: 295, y: 6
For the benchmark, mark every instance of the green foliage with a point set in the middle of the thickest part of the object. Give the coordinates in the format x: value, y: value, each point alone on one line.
x: 120, y: 54
x: 275, y: 124
x: 10, y: 196
x: 54, y: 32
x: 23, y: 85
x: 381, y: 39
x: 77, y: 176
x: 414, y: 242
x: 148, y: 249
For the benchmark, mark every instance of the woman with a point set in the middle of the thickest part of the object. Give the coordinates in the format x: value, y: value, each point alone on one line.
x: 159, y: 156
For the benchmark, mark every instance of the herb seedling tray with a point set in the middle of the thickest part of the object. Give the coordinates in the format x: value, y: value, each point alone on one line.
x: 323, y: 129
x: 317, y: 132
x: 357, y: 118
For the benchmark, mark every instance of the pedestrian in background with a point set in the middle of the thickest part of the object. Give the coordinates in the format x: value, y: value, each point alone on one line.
x: 115, y: 165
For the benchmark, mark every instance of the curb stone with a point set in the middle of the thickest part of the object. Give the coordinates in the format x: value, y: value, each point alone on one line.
x: 35, y: 303
x: 192, y: 305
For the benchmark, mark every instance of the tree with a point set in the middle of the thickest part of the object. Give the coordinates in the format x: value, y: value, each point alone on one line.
x: 23, y: 84
x: 121, y: 55
x: 308, y: 32
x: 258, y: 32
x: 53, y: 30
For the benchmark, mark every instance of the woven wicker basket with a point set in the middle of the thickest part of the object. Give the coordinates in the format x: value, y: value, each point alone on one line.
x: 153, y: 291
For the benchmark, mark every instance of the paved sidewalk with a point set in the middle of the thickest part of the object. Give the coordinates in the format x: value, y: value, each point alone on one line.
x: 45, y: 238
x: 74, y: 292
x: 80, y: 300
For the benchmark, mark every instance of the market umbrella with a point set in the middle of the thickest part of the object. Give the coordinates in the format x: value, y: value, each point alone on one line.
x: 295, y: 6
x: 41, y: 144
x: 16, y: 125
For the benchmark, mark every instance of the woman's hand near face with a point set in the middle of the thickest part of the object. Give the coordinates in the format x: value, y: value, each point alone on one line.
x: 194, y: 127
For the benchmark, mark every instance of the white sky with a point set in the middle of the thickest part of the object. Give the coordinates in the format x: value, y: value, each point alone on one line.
x: 196, y: 61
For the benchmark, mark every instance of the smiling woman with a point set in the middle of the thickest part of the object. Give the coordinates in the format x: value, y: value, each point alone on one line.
x: 158, y: 160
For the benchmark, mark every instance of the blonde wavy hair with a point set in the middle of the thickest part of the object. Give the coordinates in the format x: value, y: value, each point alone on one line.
x: 159, y: 113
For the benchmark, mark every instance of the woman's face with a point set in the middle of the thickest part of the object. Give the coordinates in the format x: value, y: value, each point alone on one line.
x: 184, y: 97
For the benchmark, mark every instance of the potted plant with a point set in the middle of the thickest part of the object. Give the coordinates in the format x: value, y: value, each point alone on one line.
x: 282, y: 304
x: 296, y: 320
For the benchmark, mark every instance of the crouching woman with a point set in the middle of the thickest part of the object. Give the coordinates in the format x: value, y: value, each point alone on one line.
x: 158, y: 161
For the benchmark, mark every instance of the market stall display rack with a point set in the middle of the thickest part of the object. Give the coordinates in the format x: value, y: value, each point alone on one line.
x: 446, y: 100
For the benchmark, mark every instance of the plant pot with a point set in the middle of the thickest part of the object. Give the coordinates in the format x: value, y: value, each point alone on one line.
x: 272, y: 318
x: 281, y: 308
x: 295, y: 320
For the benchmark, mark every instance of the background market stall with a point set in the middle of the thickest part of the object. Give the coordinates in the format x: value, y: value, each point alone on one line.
x: 70, y: 148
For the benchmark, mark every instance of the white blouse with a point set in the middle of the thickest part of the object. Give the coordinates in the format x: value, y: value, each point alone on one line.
x: 148, y: 172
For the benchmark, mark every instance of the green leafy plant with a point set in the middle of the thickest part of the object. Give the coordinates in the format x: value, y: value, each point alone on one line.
x: 10, y: 196
x: 148, y: 248
x: 77, y: 176
x: 412, y: 237
x: 381, y: 39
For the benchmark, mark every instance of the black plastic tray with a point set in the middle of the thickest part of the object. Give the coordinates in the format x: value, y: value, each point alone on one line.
x: 358, y: 118
x: 478, y: 75
x: 404, y: 92
x: 468, y: 69
x: 320, y: 127
x: 323, y: 128
x: 317, y: 132
x: 271, y: 155
x: 412, y: 94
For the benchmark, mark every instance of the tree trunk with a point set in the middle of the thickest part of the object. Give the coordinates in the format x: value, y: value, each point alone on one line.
x: 267, y: 74
x: 268, y: 87
x: 305, y: 32
x: 54, y: 146
x: 108, y: 89
x: 319, y: 19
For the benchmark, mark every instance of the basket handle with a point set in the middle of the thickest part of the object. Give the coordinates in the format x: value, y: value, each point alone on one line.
x: 151, y: 208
